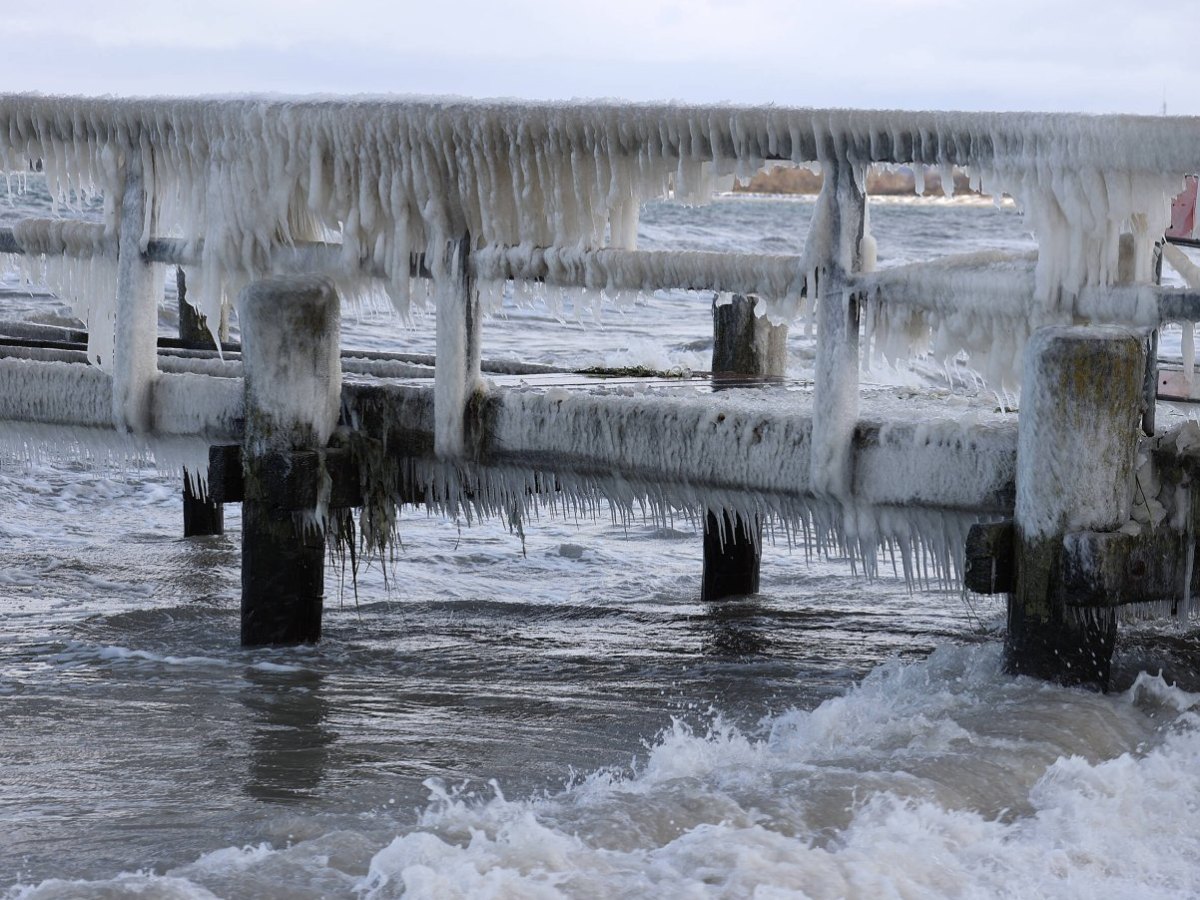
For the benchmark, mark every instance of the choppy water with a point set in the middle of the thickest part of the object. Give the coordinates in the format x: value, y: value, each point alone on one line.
x: 561, y: 717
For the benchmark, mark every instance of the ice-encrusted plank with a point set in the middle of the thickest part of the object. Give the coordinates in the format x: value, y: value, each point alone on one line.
x: 139, y: 285
x: 62, y: 393
x: 706, y: 442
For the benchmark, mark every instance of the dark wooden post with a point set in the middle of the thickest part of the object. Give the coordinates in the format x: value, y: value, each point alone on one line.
x: 1076, y: 447
x: 201, y: 515
x: 290, y: 351
x: 745, y: 345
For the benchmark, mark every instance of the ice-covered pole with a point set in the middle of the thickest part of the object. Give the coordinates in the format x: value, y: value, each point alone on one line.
x: 293, y: 376
x: 834, y: 253
x: 456, y: 372
x: 1081, y: 397
x: 201, y: 514
x: 135, y: 353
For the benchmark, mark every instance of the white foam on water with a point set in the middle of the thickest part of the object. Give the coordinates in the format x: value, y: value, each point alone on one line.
x: 935, y: 779
x: 125, y: 885
x: 77, y: 653
x: 941, y: 778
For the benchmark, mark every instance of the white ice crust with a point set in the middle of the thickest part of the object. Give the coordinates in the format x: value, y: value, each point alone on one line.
x: 556, y: 186
x: 393, y: 176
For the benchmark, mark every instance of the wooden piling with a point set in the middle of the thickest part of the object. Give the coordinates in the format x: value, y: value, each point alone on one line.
x: 743, y: 345
x: 1076, y: 448
x: 201, y: 514
x: 290, y: 335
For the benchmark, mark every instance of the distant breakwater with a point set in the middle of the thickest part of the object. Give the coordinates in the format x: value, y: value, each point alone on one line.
x: 891, y: 181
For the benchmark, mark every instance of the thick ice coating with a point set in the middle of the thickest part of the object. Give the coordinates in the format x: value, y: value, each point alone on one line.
x: 395, y: 176
x: 552, y: 190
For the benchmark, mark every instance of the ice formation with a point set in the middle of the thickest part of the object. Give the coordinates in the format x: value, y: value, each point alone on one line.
x: 392, y: 177
x: 238, y: 178
x: 458, y: 189
x: 981, y: 304
x: 584, y: 452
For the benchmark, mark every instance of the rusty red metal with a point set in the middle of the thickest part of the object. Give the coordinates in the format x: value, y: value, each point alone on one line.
x: 1183, y: 212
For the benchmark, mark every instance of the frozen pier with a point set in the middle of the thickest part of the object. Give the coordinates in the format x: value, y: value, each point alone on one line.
x: 1079, y: 506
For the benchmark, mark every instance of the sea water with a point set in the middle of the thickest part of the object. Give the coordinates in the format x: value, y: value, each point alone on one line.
x: 558, y: 715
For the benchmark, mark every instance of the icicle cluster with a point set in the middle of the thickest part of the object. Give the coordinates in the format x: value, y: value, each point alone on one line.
x: 391, y: 177
x: 924, y: 547
x: 982, y: 305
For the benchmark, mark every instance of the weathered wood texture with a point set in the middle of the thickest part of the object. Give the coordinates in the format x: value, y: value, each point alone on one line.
x: 989, y: 563
x: 745, y: 343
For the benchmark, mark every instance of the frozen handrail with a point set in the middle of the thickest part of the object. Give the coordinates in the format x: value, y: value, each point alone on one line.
x: 999, y: 283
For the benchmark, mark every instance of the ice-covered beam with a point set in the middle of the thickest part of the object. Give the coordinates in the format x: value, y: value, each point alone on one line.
x: 457, y: 368
x: 135, y: 349
x: 717, y: 444
x: 774, y: 276
x: 1076, y: 456
x: 62, y: 393
x: 988, y: 282
x: 293, y: 381
x: 778, y: 277
x: 670, y: 130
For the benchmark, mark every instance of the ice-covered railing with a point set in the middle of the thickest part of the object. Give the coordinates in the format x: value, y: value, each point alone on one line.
x: 375, y: 192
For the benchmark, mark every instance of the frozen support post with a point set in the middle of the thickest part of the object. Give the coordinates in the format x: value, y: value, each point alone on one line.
x: 744, y: 345
x: 135, y: 353
x: 290, y: 341
x: 835, y: 235
x: 201, y: 515
x: 456, y: 370
x: 1076, y: 447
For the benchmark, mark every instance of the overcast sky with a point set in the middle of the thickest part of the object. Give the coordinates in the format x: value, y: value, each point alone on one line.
x: 1085, y: 55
